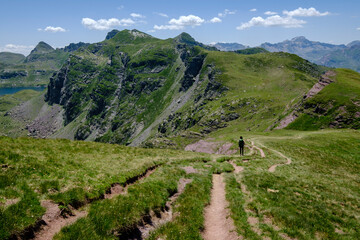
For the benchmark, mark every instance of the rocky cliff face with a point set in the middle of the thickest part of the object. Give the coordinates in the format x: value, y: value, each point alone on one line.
x: 118, y: 88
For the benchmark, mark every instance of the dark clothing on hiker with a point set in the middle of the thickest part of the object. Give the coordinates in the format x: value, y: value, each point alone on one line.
x: 241, y: 146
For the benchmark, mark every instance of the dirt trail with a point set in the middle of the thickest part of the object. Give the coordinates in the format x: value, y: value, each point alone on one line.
x: 273, y: 167
x: 116, y: 189
x: 218, y: 224
x: 238, y: 169
x: 53, y: 220
x: 262, y: 154
x: 158, y: 219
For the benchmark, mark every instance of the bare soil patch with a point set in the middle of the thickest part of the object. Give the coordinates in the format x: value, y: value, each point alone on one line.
x: 54, y: 220
x: 225, y: 149
x: 218, y: 223
x: 117, y: 189
x: 190, y: 169
x: 238, y: 169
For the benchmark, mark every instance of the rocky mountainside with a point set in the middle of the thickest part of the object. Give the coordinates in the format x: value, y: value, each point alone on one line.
x: 310, y: 50
x: 135, y: 89
x: 228, y: 47
x: 343, y: 58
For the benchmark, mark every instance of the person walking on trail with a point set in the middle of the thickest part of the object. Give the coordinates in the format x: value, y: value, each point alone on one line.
x: 241, y: 145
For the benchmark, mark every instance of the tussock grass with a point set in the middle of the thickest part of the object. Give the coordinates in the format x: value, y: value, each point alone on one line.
x: 103, y: 219
x: 189, y: 220
x: 68, y: 172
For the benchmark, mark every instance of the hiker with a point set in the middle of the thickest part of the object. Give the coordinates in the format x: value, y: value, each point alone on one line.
x: 241, y: 146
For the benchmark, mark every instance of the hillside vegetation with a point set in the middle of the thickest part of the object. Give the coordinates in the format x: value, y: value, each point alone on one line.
x: 135, y: 89
x: 314, y: 197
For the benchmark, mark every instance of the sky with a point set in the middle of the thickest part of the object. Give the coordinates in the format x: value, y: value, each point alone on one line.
x: 24, y: 23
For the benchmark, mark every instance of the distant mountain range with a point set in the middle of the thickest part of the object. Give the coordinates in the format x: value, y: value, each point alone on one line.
x: 330, y: 55
x: 229, y: 46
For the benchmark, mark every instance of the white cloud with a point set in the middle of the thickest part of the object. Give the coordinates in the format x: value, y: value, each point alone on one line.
x: 17, y: 48
x: 168, y: 27
x: 181, y: 23
x: 137, y: 15
x: 120, y: 7
x: 151, y: 31
x: 305, y: 12
x: 226, y: 12
x: 253, y: 10
x: 52, y: 29
x: 189, y: 20
x: 270, y: 13
x: 106, y: 24
x: 162, y: 15
x: 358, y: 29
x: 215, y: 20
x: 272, y: 21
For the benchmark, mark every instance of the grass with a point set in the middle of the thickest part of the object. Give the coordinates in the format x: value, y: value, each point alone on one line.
x: 316, y: 196
x: 68, y: 172
x: 189, y: 220
x: 336, y: 99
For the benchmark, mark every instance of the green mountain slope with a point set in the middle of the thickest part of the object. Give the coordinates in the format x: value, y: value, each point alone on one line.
x: 336, y: 106
x: 11, y: 58
x: 133, y: 86
x: 135, y: 89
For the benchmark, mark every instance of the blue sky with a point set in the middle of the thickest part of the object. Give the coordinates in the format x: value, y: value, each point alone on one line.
x: 23, y: 23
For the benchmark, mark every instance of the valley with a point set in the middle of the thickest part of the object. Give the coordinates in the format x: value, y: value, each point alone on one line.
x: 136, y: 137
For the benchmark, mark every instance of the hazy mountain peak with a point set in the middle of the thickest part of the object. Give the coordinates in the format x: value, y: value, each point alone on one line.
x: 354, y: 43
x: 42, y: 47
x: 299, y: 39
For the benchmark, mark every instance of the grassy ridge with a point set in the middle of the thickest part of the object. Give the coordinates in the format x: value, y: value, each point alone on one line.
x: 337, y: 105
x: 316, y: 196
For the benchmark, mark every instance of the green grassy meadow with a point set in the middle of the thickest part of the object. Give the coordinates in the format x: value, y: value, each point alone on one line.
x: 315, y: 197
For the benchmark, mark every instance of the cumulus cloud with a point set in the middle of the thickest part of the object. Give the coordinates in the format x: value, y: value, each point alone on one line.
x: 52, y: 29
x: 276, y: 20
x: 137, y: 15
x: 215, y: 20
x: 270, y: 13
x: 106, y: 24
x: 253, y: 10
x: 181, y: 23
x: 226, y: 12
x: 17, y: 48
x: 305, y: 12
x: 289, y: 20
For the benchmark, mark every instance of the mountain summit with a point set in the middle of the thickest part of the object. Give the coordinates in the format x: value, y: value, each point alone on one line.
x: 42, y: 47
x: 310, y: 50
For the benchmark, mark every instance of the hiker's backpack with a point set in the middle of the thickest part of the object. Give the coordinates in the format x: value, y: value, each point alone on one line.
x: 241, y: 143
